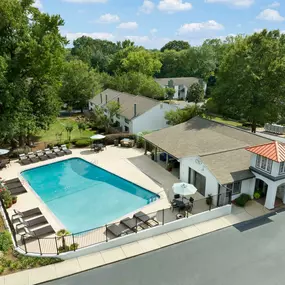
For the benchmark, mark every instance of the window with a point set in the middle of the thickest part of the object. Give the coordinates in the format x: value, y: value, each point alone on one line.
x: 235, y: 187
x: 264, y: 163
x: 282, y: 168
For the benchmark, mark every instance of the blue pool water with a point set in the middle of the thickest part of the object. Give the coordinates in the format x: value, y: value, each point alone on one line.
x: 84, y: 196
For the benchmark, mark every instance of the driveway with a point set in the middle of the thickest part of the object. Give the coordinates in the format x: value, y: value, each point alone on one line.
x: 250, y: 253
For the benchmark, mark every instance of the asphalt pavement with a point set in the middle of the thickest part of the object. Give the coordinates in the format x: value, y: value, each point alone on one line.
x: 248, y: 254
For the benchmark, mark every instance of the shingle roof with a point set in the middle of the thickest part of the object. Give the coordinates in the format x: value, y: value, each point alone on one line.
x: 200, y: 136
x: 274, y: 151
x: 127, y: 102
x: 186, y: 81
x: 229, y: 166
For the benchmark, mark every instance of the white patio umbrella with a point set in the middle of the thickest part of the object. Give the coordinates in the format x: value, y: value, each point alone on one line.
x: 97, y: 137
x: 4, y: 151
x: 184, y: 189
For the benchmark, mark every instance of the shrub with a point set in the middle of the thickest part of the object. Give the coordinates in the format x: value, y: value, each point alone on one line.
x: 256, y: 195
x: 109, y: 139
x: 6, y: 197
x: 5, y: 241
x: 82, y: 143
x: 1, y: 269
x: 73, y: 246
x: 242, y: 200
x: 63, y: 249
x: 15, y: 152
x: 50, y: 145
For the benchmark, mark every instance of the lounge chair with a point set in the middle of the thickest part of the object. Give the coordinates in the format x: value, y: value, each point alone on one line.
x: 38, y: 232
x: 31, y: 223
x: 65, y: 149
x: 13, y: 185
x: 119, y: 230
x: 41, y: 155
x: 32, y: 157
x: 49, y: 153
x: 150, y: 221
x: 24, y: 159
x: 12, y: 180
x: 18, y: 190
x: 26, y: 214
x: 57, y: 151
x: 133, y: 224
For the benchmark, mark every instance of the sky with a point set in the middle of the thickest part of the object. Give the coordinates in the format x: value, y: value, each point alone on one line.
x: 152, y: 23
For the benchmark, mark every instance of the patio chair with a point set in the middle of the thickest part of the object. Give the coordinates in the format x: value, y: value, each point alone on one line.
x: 65, y: 149
x: 150, y: 221
x: 18, y: 190
x: 31, y: 223
x: 38, y: 232
x: 119, y: 230
x: 2, y: 164
x: 12, y: 180
x: 32, y: 157
x: 49, y: 153
x: 13, y: 185
x: 26, y: 214
x: 133, y: 224
x: 57, y: 151
x: 41, y: 155
x: 24, y: 160
x: 177, y: 204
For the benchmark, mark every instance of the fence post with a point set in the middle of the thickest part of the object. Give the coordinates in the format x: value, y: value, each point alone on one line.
x: 218, y: 200
x: 230, y: 197
x: 56, y: 246
x: 163, y: 216
x: 106, y: 226
x: 40, y: 247
x: 73, y: 242
x: 210, y: 204
x: 136, y: 225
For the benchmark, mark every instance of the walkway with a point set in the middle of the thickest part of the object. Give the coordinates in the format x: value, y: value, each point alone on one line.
x: 79, y: 264
x: 252, y: 254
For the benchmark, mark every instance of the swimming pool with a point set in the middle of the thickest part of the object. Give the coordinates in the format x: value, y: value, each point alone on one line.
x: 83, y: 196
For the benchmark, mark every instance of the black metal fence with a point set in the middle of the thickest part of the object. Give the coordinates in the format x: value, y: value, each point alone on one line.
x: 75, y: 241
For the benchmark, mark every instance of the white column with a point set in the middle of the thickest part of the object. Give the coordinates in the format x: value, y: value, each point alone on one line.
x: 270, y: 196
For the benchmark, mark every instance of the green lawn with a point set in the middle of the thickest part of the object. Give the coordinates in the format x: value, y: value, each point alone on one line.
x: 226, y: 122
x: 50, y: 136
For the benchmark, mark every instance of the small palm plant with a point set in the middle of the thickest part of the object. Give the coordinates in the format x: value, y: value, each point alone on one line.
x: 61, y: 234
x: 81, y: 127
x: 69, y: 129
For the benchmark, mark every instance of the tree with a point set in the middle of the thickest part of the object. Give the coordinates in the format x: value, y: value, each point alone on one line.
x: 169, y: 93
x: 61, y: 234
x: 81, y: 127
x: 175, y: 45
x: 69, y: 129
x: 182, y: 115
x: 195, y: 93
x: 250, y: 80
x: 141, y: 61
x: 79, y: 84
x: 31, y: 59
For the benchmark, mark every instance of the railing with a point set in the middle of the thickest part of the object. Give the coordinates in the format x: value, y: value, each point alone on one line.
x: 75, y: 241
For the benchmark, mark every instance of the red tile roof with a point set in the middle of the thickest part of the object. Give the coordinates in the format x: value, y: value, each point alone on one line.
x: 274, y: 151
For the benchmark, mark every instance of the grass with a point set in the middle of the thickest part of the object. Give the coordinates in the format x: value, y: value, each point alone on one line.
x: 226, y: 122
x: 58, y: 127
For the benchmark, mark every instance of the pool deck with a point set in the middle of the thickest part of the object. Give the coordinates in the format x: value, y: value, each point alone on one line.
x: 128, y: 163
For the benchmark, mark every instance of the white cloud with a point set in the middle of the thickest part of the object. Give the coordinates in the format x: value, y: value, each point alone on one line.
x: 270, y: 15
x: 239, y: 3
x: 102, y: 36
x: 128, y: 26
x: 86, y: 1
x: 197, y: 27
x: 38, y: 4
x: 147, y: 7
x: 108, y: 19
x: 274, y: 5
x: 171, y: 6
x: 257, y: 30
x: 153, y: 31
x: 138, y: 39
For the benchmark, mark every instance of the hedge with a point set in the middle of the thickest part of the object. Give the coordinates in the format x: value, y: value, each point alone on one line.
x: 109, y: 140
x: 82, y: 143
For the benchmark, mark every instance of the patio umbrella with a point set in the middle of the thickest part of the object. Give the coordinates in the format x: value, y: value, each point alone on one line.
x: 97, y: 137
x: 4, y: 151
x: 184, y: 189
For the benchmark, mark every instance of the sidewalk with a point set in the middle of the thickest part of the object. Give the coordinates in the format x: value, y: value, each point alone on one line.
x: 50, y: 272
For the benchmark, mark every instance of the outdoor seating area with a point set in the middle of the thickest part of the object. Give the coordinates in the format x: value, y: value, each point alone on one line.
x: 41, y: 155
x: 138, y: 222
x: 4, y: 162
x: 15, y: 186
x: 97, y: 147
x: 127, y: 143
x: 31, y: 224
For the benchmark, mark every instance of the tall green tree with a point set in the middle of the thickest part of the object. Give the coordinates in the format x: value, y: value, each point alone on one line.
x: 195, y: 93
x: 31, y: 59
x: 175, y: 45
x: 250, y: 80
x: 79, y: 84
